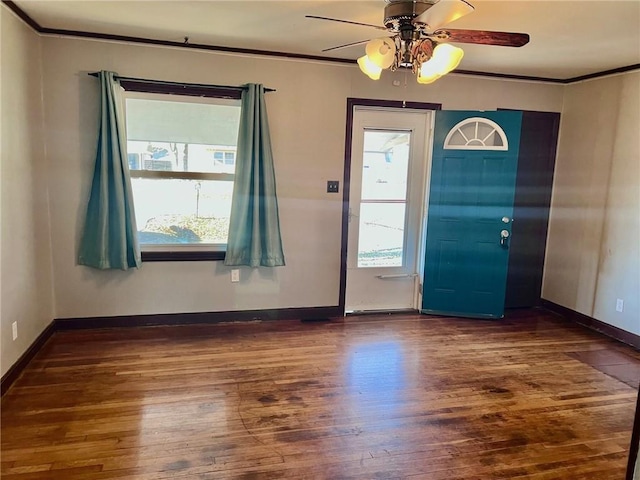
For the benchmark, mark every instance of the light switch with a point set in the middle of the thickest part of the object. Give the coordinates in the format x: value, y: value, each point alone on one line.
x: 333, y: 186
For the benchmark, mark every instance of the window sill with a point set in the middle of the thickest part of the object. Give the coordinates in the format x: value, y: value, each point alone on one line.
x: 182, y: 256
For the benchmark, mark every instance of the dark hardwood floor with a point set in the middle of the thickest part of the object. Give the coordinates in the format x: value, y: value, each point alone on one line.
x: 370, y: 397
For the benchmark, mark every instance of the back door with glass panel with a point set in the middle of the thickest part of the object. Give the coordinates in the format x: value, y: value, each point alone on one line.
x: 385, y: 209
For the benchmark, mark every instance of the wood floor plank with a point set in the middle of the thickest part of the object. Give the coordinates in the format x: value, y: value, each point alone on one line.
x: 402, y: 396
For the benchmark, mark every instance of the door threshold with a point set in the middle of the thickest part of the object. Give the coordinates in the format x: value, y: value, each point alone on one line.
x: 399, y: 311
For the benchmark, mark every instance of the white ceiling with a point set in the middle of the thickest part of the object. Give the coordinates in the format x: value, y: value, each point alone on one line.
x: 568, y: 38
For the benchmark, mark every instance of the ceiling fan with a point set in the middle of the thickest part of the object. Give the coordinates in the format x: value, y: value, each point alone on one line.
x: 418, y: 40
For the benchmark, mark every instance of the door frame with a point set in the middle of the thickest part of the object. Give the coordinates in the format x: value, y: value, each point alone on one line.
x: 351, y: 104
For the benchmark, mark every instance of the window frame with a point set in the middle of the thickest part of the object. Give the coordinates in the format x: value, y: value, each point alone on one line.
x: 143, y: 89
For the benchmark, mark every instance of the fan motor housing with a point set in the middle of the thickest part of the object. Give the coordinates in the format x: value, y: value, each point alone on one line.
x: 399, y: 13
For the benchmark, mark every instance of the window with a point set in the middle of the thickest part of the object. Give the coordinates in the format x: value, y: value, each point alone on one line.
x: 181, y: 152
x: 476, y: 134
x: 227, y: 157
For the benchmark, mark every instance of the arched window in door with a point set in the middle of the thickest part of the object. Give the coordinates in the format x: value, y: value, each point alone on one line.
x: 476, y: 134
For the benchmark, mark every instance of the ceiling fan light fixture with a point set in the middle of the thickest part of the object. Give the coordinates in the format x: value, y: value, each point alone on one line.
x: 381, y: 52
x: 417, y: 41
x: 369, y: 68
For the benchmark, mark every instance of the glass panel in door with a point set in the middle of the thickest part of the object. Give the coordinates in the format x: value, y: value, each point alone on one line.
x: 383, y: 199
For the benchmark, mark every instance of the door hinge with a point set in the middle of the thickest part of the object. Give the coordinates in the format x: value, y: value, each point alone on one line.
x: 351, y: 214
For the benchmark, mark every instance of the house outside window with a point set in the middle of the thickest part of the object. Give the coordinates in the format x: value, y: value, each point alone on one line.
x: 225, y: 157
x: 181, y: 154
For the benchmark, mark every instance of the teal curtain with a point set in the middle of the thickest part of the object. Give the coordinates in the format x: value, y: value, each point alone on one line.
x: 254, y: 228
x: 110, y: 239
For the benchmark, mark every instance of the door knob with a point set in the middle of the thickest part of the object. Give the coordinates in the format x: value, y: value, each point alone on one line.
x: 504, y: 235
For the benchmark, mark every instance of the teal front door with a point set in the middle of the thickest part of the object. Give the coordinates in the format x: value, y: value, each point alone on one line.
x: 473, y: 175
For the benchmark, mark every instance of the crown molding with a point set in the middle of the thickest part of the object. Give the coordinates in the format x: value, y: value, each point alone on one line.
x: 22, y: 15
x: 606, y: 73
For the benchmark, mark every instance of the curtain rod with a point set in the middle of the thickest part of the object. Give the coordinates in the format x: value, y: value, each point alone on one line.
x: 164, y: 82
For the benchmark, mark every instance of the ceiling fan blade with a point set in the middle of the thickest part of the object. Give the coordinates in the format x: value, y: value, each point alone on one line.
x: 345, y: 45
x: 503, y: 39
x: 443, y: 13
x: 346, y: 21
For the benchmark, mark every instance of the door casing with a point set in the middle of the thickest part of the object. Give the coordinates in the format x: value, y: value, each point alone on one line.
x: 390, y: 287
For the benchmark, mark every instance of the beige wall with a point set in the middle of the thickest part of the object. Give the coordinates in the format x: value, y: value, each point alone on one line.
x: 307, y: 119
x: 26, y: 278
x: 593, y: 250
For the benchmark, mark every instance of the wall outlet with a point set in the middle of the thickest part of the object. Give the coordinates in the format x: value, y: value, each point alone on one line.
x: 619, y: 305
x: 235, y: 275
x: 14, y: 329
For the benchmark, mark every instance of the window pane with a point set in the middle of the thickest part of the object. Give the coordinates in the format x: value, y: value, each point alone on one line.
x: 381, y: 235
x: 180, y: 121
x: 182, y: 211
x: 180, y: 157
x: 385, y: 165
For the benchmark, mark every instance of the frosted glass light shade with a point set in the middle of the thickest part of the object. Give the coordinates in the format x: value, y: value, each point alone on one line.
x: 381, y: 51
x: 369, y: 68
x: 447, y: 57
